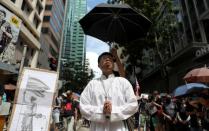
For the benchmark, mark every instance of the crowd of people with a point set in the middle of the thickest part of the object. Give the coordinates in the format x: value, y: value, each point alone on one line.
x: 66, y: 112
x: 166, y: 113
x: 108, y: 102
x: 156, y: 112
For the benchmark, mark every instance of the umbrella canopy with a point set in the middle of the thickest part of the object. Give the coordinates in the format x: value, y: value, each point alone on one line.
x: 197, y: 75
x: 188, y: 88
x: 115, y: 23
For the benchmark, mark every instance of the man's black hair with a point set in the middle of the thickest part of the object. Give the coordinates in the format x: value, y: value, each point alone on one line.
x: 104, y: 54
x: 3, y: 12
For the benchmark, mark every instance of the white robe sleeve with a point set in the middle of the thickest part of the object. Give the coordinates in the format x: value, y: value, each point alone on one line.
x: 130, y: 106
x: 88, y: 111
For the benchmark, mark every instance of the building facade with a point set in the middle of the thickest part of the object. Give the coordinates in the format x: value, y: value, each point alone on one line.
x: 51, y: 31
x: 188, y: 50
x: 31, y: 15
x: 74, y: 41
x: 87, y: 67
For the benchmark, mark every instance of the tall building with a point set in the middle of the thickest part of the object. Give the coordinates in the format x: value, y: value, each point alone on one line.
x: 30, y: 13
x: 51, y: 31
x: 74, y: 41
x: 87, y: 67
x: 188, y: 50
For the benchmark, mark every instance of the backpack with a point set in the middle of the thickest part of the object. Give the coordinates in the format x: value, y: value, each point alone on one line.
x: 68, y: 106
x: 68, y: 109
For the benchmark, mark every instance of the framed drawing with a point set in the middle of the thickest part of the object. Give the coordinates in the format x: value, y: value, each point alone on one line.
x: 33, y: 100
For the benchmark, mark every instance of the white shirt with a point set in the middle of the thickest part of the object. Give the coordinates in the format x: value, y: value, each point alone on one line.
x: 119, y: 92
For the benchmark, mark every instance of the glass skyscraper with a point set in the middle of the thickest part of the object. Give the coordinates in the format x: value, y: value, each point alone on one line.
x: 74, y: 40
x: 51, y: 31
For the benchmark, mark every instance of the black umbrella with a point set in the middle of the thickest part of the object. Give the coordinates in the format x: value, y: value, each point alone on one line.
x: 115, y: 23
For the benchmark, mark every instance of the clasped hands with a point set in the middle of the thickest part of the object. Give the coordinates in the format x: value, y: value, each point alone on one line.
x: 107, y: 109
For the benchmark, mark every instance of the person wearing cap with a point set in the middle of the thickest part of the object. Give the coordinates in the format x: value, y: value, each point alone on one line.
x: 108, y: 101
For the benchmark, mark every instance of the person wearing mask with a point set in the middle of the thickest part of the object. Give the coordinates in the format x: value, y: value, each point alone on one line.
x: 108, y: 101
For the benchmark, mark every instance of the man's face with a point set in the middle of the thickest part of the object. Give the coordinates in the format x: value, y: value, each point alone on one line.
x: 29, y: 97
x: 1, y: 15
x: 106, y: 64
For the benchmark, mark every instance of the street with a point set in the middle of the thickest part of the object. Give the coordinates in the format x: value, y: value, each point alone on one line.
x: 83, y: 129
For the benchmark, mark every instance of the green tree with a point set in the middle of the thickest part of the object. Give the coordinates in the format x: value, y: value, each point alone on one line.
x: 77, y: 78
x: 161, y: 33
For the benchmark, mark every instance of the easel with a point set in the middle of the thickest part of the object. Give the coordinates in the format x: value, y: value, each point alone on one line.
x: 4, y: 112
x: 2, y: 121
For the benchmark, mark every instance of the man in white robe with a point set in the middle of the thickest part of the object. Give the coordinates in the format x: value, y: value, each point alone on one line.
x: 108, y: 100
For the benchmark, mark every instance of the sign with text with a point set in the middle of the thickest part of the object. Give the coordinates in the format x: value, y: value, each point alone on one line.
x: 202, y: 51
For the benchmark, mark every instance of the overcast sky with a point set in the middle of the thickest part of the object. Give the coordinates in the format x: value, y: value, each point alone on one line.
x: 94, y: 46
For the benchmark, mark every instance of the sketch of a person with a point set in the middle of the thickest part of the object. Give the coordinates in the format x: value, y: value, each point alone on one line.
x: 35, y: 89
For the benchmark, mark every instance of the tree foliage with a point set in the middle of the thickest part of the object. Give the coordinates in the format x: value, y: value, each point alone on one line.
x: 77, y: 78
x: 161, y: 33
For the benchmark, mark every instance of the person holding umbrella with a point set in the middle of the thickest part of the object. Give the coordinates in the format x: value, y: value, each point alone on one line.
x: 108, y: 100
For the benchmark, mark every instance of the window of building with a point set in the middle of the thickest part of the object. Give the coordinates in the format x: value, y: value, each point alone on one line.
x: 206, y: 27
x: 46, y: 18
x: 26, y: 8
x: 13, y: 1
x: 200, y: 6
x: 189, y: 35
x: 32, y: 51
x: 44, y: 29
x: 23, y: 5
x: 197, y: 34
x: 192, y: 11
x: 207, y: 3
x: 48, y: 7
x: 54, y: 39
x: 39, y: 8
x: 36, y: 22
x: 185, y: 16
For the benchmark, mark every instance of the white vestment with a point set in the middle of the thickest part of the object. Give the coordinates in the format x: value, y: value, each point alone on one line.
x: 124, y: 103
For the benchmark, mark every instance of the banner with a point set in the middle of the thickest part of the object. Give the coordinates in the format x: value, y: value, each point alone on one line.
x: 9, y: 31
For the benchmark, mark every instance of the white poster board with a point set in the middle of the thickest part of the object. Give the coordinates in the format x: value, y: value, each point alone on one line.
x: 33, y: 100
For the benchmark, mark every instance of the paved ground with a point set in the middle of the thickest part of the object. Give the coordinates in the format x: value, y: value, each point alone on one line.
x: 87, y: 129
x: 83, y: 129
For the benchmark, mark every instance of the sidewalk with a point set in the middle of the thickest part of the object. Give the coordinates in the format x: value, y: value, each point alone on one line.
x: 80, y: 127
x: 83, y: 129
